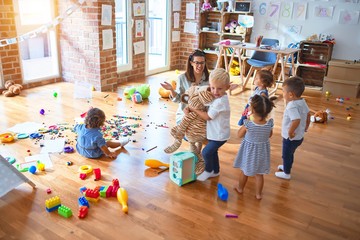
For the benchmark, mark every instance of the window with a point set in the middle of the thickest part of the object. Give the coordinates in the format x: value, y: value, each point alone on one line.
x: 123, y: 35
x: 38, y: 50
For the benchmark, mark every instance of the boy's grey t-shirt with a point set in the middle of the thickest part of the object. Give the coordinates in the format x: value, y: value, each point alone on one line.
x: 297, y: 109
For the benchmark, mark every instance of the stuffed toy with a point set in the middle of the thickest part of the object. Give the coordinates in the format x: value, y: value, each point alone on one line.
x: 192, y: 126
x: 231, y: 26
x: 166, y: 93
x: 320, y: 116
x: 206, y: 5
x: 143, y: 90
x: 12, y: 89
x: 136, y: 97
x: 240, y: 30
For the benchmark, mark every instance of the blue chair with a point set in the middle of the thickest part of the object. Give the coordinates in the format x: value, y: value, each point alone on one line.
x: 261, y: 60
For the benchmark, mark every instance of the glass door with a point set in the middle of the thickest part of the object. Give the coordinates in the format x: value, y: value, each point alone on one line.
x: 123, y: 35
x: 38, y: 50
x: 157, y: 36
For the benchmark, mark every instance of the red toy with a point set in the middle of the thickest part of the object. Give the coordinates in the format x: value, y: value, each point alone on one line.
x: 97, y: 173
x: 83, y: 211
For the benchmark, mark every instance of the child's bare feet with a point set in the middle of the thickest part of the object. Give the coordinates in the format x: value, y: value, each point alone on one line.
x: 238, y: 189
x: 258, y: 196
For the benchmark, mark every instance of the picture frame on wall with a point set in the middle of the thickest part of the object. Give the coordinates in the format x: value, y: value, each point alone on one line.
x: 242, y: 6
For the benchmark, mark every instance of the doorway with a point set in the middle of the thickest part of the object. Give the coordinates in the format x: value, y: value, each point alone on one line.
x: 157, y: 36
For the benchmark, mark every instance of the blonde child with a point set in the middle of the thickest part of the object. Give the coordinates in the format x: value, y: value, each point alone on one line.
x: 253, y: 157
x: 295, y: 123
x: 218, y: 122
x: 263, y: 80
x: 90, y: 140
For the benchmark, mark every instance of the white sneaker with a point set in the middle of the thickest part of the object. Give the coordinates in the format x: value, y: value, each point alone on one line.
x: 124, y: 141
x: 214, y: 174
x: 281, y: 167
x: 282, y: 175
x: 204, y: 176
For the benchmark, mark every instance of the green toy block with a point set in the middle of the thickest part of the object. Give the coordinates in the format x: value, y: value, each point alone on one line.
x: 64, y: 211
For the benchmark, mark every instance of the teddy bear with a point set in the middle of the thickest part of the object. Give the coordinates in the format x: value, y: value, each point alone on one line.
x: 12, y: 89
x: 166, y: 93
x: 320, y: 116
x: 192, y: 126
x: 231, y: 26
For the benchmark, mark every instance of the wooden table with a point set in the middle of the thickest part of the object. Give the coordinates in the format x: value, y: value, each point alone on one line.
x: 282, y: 55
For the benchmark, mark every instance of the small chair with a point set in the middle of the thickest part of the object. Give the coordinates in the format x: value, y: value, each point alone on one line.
x: 261, y: 60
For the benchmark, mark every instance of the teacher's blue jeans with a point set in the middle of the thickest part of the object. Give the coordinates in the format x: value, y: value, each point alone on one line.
x: 211, y: 157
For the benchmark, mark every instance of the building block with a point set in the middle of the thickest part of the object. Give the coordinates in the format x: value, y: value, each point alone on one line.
x: 64, y: 211
x: 52, y: 204
x: 83, y: 211
x: 115, y: 182
x: 82, y: 176
x: 83, y: 202
x: 103, y: 191
x: 114, y: 191
x: 82, y: 190
x: 182, y: 167
x: 92, y: 195
x: 109, y: 191
x: 97, y: 173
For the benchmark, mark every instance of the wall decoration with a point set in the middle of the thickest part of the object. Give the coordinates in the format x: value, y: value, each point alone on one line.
x: 139, y: 28
x: 287, y: 10
x: 300, y: 9
x: 176, y: 5
x: 262, y: 8
x: 175, y: 36
x: 349, y: 17
x: 274, y: 10
x: 106, y: 15
x: 323, y: 12
x: 108, y: 39
x: 139, y: 47
x: 271, y: 26
x: 176, y: 20
x: 139, y: 9
x: 293, y: 29
x: 190, y: 11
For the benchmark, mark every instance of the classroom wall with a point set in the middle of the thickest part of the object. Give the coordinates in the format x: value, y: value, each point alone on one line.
x: 347, y: 36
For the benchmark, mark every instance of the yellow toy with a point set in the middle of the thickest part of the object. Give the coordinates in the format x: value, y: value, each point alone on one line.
x: 6, y: 137
x: 234, y: 68
x: 122, y: 197
x: 85, y: 169
x: 166, y: 93
x: 153, y: 163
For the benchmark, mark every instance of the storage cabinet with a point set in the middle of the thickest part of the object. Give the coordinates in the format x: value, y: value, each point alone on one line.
x: 212, y: 30
x: 313, y: 62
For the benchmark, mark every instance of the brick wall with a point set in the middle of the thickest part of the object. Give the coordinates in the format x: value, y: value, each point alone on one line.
x: 82, y: 57
x: 9, y: 54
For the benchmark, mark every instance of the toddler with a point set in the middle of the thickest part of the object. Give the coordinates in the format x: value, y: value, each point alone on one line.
x: 218, y: 122
x: 253, y: 157
x: 262, y: 80
x: 295, y: 123
x: 90, y: 140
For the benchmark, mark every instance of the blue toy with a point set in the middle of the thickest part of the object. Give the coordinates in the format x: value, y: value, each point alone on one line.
x: 222, y: 192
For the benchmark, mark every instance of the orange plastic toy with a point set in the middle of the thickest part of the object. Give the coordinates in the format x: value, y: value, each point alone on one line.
x: 153, y: 163
x: 6, y: 137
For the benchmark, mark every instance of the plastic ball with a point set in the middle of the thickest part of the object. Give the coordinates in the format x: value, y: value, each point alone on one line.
x: 32, y: 169
x: 177, y: 71
x: 41, y: 166
x: 42, y: 111
x: 55, y: 94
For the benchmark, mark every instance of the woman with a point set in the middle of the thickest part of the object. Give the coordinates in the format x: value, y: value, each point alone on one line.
x: 196, y: 74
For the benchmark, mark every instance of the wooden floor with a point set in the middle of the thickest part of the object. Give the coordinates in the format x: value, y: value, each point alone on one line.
x: 321, y: 201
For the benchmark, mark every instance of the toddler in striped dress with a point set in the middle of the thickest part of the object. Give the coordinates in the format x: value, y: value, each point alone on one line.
x: 253, y: 157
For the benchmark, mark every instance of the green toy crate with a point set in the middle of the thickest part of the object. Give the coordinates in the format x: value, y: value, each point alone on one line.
x: 182, y: 167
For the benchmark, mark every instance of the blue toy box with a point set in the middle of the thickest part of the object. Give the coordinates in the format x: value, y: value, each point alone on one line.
x: 182, y: 167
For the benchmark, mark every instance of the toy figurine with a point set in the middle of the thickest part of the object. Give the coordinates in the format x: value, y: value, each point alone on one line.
x: 206, y: 5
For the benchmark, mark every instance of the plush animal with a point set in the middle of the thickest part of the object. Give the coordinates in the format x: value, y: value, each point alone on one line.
x: 206, y: 5
x: 192, y: 126
x: 320, y: 116
x: 231, y: 26
x: 240, y: 29
x: 12, y: 89
x: 166, y: 93
x: 143, y: 90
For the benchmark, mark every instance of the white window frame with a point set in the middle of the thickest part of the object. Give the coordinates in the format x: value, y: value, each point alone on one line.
x: 129, y: 23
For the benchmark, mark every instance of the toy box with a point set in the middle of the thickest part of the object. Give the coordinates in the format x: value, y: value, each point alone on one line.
x: 182, y: 167
x: 341, y: 88
x: 342, y: 69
